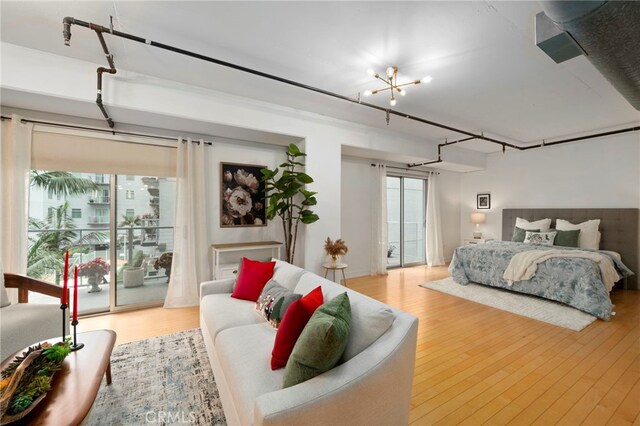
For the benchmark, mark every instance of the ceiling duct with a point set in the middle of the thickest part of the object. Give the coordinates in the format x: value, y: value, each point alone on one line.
x: 559, y: 45
x: 609, y: 34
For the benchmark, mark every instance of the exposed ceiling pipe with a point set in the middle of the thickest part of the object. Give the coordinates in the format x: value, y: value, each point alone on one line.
x: 540, y: 145
x: 101, y: 70
x: 99, y: 29
x: 609, y: 34
x: 68, y: 21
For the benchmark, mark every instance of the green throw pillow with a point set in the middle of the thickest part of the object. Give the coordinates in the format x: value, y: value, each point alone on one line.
x: 321, y: 343
x: 519, y: 234
x: 566, y: 238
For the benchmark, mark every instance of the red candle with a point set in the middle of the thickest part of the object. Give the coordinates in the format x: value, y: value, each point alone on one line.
x: 75, y: 294
x: 65, y: 284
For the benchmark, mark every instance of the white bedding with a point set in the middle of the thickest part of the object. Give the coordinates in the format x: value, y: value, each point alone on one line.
x: 613, y: 253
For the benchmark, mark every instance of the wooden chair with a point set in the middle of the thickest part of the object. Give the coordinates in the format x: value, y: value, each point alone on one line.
x: 25, y: 323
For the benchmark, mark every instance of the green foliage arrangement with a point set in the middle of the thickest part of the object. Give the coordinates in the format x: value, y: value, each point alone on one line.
x: 57, y: 234
x: 289, y: 199
x: 36, y: 378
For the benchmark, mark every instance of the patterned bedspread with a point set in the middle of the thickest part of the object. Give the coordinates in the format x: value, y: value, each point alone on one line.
x: 574, y: 281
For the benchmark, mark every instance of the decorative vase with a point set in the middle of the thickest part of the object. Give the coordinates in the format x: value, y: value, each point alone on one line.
x: 94, y: 281
x: 167, y: 272
x: 133, y: 277
x: 334, y: 261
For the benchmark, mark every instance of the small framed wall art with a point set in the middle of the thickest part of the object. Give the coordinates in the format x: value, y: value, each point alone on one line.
x: 242, y: 196
x: 484, y: 201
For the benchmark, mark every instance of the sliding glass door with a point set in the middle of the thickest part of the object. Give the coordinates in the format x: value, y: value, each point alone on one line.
x: 145, y: 215
x: 394, y: 221
x: 116, y: 229
x: 406, y: 203
x: 413, y: 221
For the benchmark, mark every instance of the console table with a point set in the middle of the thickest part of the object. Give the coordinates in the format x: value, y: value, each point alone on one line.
x: 75, y: 386
x: 227, y: 270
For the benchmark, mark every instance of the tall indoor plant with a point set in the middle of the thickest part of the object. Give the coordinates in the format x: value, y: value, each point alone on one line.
x: 288, y: 198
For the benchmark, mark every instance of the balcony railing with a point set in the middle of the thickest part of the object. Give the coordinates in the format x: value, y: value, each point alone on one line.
x: 140, y: 243
x: 101, y: 179
x: 99, y: 200
x: 98, y: 220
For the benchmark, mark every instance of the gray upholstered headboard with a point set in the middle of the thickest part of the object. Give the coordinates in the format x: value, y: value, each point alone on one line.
x: 619, y: 228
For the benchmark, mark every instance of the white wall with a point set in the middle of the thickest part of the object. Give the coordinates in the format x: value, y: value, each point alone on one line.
x: 357, y: 207
x: 356, y: 215
x: 599, y: 173
x: 449, y: 190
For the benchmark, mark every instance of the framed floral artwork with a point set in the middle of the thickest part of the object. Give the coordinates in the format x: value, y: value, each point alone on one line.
x: 484, y: 201
x: 242, y: 196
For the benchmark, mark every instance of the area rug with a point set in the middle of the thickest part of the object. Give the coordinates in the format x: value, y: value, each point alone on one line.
x: 516, y: 303
x: 163, y: 380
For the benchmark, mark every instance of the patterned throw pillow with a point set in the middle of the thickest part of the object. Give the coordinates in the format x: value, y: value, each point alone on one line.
x: 545, y: 238
x: 519, y: 234
x: 274, y: 301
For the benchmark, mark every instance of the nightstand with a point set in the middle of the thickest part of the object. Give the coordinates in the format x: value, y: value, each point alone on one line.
x: 473, y: 241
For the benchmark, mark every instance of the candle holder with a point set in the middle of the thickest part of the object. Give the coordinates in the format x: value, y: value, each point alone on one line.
x: 63, y: 308
x: 76, y: 346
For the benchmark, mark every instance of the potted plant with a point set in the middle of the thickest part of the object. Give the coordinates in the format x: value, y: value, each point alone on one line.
x: 94, y: 270
x: 133, y: 276
x: 335, y: 249
x: 288, y: 198
x: 165, y: 262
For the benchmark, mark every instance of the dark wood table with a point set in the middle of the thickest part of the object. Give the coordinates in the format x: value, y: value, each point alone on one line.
x: 75, y: 386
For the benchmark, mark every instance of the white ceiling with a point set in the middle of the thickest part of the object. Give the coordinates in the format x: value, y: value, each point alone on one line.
x: 488, y: 75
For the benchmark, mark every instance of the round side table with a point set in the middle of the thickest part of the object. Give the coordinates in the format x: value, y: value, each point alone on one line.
x: 339, y: 267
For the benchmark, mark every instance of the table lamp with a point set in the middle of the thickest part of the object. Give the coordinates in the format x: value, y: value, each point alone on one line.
x: 478, y: 218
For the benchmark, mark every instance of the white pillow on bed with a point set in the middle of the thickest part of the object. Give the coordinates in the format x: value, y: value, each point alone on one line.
x: 588, y: 237
x: 541, y: 225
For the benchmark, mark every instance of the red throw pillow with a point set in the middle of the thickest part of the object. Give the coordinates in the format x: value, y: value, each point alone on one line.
x: 292, y: 324
x: 252, y: 279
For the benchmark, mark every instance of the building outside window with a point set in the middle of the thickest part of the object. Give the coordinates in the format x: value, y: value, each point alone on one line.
x: 81, y: 223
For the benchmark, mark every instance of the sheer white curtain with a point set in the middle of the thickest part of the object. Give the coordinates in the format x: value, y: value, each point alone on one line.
x: 15, y: 170
x: 435, y: 251
x: 190, y: 238
x: 380, y: 239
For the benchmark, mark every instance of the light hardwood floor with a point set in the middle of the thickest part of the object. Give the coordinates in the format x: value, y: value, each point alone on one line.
x: 478, y: 365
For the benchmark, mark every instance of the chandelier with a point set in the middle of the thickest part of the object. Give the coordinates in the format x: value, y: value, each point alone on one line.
x: 392, y: 83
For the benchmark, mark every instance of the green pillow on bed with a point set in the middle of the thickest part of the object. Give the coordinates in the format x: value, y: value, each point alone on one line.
x: 566, y: 238
x: 519, y: 234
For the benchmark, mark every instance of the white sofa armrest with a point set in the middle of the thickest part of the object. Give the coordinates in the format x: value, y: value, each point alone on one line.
x: 378, y: 375
x: 216, y: 287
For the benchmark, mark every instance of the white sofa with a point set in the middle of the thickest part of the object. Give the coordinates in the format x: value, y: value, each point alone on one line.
x: 372, y: 388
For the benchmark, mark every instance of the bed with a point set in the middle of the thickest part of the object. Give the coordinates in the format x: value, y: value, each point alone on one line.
x: 574, y: 281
